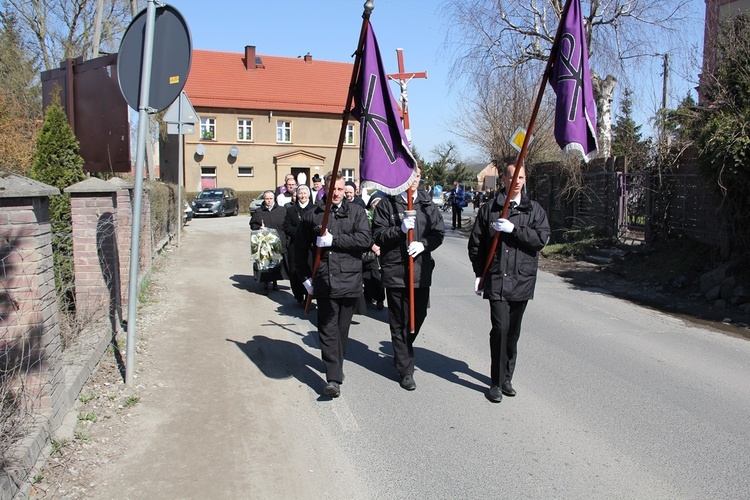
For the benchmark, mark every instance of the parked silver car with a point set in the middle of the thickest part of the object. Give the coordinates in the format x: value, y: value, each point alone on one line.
x: 216, y: 201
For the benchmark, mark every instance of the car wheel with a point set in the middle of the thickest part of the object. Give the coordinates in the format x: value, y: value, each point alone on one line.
x: 236, y: 210
x: 222, y: 212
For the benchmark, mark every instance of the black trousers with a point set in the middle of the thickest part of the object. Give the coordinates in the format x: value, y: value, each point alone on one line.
x: 398, y: 318
x: 456, y: 216
x: 506, y: 320
x: 334, y: 320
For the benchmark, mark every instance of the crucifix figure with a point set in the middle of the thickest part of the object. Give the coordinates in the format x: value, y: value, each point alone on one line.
x: 402, y: 79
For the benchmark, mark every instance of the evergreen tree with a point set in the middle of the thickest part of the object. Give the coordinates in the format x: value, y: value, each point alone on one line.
x: 626, y: 135
x: 57, y: 163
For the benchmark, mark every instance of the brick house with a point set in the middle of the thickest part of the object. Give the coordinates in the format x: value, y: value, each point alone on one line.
x: 716, y: 12
x: 262, y: 117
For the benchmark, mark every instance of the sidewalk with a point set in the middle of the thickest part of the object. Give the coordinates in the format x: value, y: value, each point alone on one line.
x: 201, y: 420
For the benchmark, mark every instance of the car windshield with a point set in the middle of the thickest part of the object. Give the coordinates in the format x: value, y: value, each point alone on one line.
x: 213, y: 193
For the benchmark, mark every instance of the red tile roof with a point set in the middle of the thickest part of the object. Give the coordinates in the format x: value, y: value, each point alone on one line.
x: 220, y: 80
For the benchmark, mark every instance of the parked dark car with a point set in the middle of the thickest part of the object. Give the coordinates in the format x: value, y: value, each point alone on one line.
x: 216, y: 201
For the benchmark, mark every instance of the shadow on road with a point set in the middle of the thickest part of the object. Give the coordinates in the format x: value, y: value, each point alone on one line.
x: 280, y: 359
x: 440, y: 365
x: 243, y: 282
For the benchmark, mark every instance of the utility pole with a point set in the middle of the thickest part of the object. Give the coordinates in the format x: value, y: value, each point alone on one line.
x: 403, y: 78
x: 664, y: 99
x: 97, y: 29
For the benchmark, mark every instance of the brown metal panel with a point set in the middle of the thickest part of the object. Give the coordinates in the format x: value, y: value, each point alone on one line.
x: 100, y: 112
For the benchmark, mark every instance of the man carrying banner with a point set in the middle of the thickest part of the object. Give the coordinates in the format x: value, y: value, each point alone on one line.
x: 511, y: 278
x: 390, y: 225
x: 337, y: 283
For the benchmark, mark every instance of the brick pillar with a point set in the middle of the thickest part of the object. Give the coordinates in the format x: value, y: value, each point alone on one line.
x: 95, y: 249
x: 124, y: 216
x: 30, y: 345
x: 147, y: 238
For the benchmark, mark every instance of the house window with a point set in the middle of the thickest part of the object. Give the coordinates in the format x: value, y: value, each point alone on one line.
x: 208, y: 129
x: 349, y: 139
x: 283, y: 131
x: 244, y: 129
x: 347, y: 174
x: 245, y: 171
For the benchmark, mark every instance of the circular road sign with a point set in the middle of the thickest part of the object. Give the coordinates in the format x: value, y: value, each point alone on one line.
x: 170, y: 65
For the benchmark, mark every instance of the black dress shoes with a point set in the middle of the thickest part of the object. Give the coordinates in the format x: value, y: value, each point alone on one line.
x: 332, y: 389
x: 508, y: 389
x: 495, y: 394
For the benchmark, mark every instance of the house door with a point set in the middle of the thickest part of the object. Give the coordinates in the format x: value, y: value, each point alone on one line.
x: 208, y: 177
x: 302, y: 174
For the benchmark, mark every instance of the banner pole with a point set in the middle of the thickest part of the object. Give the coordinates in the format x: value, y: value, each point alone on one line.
x: 369, y: 6
x: 526, y: 139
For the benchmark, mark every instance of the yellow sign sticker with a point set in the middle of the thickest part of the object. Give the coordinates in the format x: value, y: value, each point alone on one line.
x: 516, y: 140
x: 174, y: 79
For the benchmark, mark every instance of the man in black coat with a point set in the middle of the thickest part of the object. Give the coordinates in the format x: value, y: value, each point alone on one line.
x: 337, y: 284
x: 389, y: 227
x: 511, y: 278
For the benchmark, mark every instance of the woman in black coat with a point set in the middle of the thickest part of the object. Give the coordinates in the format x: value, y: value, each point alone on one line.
x: 294, y: 213
x: 270, y: 215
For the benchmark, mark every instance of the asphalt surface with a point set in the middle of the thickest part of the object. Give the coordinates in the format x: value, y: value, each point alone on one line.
x: 614, y: 400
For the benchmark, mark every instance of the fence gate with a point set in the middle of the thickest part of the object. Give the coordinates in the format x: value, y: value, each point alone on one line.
x: 633, y: 206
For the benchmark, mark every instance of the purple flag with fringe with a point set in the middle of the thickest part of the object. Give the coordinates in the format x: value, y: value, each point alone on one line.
x: 385, y: 160
x: 575, y: 113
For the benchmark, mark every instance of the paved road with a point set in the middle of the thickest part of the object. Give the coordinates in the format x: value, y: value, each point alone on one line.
x: 615, y: 401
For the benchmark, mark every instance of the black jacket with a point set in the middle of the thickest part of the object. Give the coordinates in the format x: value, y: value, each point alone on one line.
x: 386, y: 229
x: 512, y: 273
x: 293, y: 217
x: 272, y: 218
x: 340, y: 270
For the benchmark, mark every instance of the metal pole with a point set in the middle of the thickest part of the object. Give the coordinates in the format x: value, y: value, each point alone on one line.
x: 180, y: 210
x: 97, y: 29
x: 135, y: 234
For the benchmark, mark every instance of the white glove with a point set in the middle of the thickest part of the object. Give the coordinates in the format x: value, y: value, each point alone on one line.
x: 503, y: 225
x: 308, y: 286
x: 476, y: 286
x: 415, y: 248
x: 325, y: 241
x: 408, y: 223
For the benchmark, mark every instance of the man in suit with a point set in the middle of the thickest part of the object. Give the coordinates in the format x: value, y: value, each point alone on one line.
x: 337, y: 284
x: 511, y: 278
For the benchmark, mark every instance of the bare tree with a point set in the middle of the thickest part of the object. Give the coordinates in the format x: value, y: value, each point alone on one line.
x: 61, y: 29
x: 495, y: 105
x: 496, y: 34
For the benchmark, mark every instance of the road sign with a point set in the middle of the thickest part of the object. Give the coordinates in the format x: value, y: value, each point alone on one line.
x: 175, y: 129
x: 181, y: 110
x: 516, y: 140
x: 170, y: 65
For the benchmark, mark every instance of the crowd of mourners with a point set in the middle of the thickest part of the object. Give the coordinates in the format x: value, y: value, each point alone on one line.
x: 364, y: 254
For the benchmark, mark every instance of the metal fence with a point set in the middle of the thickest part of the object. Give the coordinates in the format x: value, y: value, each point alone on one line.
x: 635, y: 206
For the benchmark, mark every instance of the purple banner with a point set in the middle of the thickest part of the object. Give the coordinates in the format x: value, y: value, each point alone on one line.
x: 575, y: 113
x: 385, y: 160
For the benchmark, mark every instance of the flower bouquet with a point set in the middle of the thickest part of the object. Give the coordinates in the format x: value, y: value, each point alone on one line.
x: 265, y: 249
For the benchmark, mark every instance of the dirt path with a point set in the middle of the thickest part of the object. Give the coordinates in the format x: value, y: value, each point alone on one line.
x: 203, y: 420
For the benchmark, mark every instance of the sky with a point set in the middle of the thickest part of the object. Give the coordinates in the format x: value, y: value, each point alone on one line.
x: 329, y: 30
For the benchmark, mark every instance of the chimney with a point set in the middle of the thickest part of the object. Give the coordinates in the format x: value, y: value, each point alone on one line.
x: 308, y: 57
x: 249, y: 56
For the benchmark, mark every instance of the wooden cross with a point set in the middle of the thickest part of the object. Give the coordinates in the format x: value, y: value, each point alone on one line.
x: 402, y: 79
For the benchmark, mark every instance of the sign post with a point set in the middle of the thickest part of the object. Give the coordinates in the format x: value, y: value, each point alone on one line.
x: 181, y: 119
x: 149, y: 86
